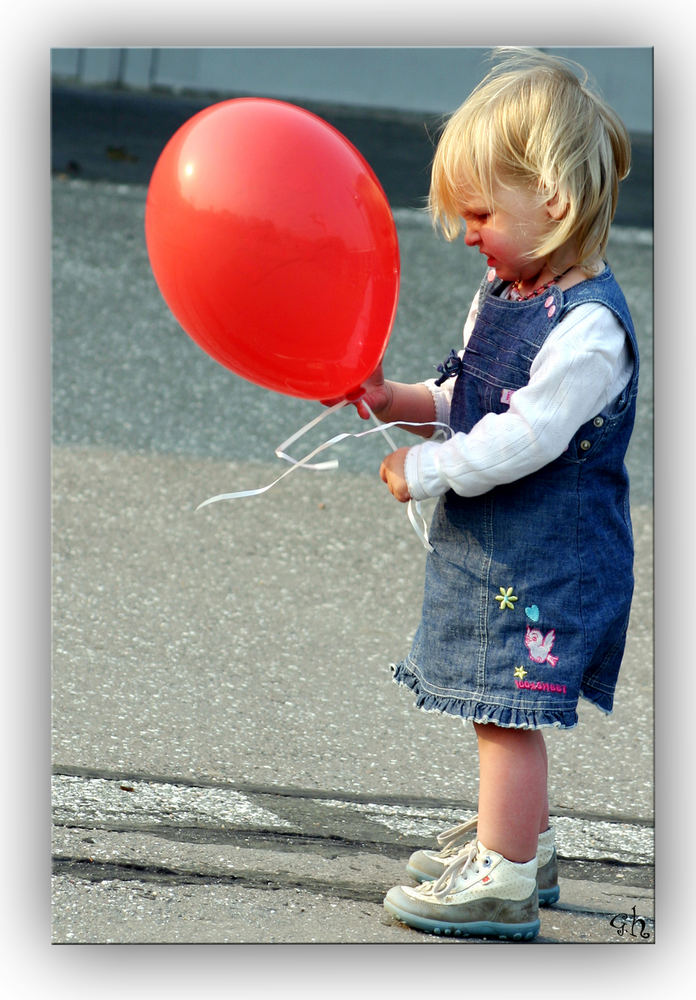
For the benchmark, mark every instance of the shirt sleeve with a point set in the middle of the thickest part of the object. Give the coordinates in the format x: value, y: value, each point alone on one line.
x: 584, y: 364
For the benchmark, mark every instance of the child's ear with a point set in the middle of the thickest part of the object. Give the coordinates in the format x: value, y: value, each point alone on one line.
x: 556, y: 208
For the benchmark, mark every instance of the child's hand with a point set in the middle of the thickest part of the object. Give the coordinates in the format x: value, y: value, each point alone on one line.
x: 374, y: 392
x: 377, y: 394
x: 392, y: 473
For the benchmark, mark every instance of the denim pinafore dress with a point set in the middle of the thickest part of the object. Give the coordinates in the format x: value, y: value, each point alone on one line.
x: 528, y: 587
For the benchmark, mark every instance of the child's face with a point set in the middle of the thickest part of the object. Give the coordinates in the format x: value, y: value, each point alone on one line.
x: 507, y: 232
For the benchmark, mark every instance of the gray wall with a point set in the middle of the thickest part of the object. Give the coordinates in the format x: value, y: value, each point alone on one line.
x: 405, y: 79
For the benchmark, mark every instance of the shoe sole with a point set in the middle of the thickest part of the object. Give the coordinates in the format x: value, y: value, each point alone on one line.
x: 547, y: 897
x: 482, y: 928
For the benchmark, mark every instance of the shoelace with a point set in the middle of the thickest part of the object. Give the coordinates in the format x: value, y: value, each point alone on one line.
x: 465, y: 866
x: 456, y: 838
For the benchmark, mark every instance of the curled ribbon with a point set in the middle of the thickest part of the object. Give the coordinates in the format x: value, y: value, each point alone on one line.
x: 415, y: 514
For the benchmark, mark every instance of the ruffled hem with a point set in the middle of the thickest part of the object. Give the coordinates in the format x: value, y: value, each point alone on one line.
x: 474, y: 711
x: 603, y: 700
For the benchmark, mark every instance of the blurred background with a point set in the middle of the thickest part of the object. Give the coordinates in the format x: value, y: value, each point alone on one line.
x: 413, y: 79
x: 123, y: 104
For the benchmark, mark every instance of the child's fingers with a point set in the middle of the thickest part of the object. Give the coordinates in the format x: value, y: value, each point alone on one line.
x: 394, y: 479
x: 354, y: 397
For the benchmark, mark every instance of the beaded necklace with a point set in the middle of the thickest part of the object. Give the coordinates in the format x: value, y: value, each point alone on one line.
x: 542, y: 288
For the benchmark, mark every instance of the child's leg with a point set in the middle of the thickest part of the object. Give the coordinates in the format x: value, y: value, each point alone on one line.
x: 513, y: 800
x: 493, y: 890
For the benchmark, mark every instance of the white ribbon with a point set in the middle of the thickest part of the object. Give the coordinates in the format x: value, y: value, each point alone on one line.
x: 415, y: 514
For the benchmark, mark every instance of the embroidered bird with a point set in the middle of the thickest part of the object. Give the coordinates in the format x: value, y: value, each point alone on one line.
x: 540, y: 646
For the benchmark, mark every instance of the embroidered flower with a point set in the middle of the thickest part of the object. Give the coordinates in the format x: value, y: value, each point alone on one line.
x: 520, y: 672
x: 506, y: 598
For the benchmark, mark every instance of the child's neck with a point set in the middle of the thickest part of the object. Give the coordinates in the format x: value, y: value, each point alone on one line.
x: 573, y: 274
x: 526, y: 288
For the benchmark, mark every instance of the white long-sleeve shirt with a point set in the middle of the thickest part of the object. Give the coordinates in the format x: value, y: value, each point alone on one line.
x: 584, y: 364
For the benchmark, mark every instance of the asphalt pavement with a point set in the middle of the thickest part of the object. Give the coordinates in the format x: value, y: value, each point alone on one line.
x: 231, y: 760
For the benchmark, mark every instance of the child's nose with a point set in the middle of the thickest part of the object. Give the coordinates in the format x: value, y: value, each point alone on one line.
x: 471, y: 236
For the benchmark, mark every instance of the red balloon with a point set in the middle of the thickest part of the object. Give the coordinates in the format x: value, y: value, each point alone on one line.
x: 272, y: 242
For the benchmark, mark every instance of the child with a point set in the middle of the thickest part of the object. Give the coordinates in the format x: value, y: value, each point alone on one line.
x: 529, y: 584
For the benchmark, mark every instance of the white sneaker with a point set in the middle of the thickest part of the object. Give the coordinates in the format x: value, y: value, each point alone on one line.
x: 426, y: 865
x: 479, y: 894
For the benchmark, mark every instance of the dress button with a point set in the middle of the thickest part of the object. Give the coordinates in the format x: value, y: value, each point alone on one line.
x: 598, y: 421
x: 585, y: 445
x: 548, y: 302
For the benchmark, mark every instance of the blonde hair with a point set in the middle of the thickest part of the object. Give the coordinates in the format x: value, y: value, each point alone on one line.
x: 533, y: 122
